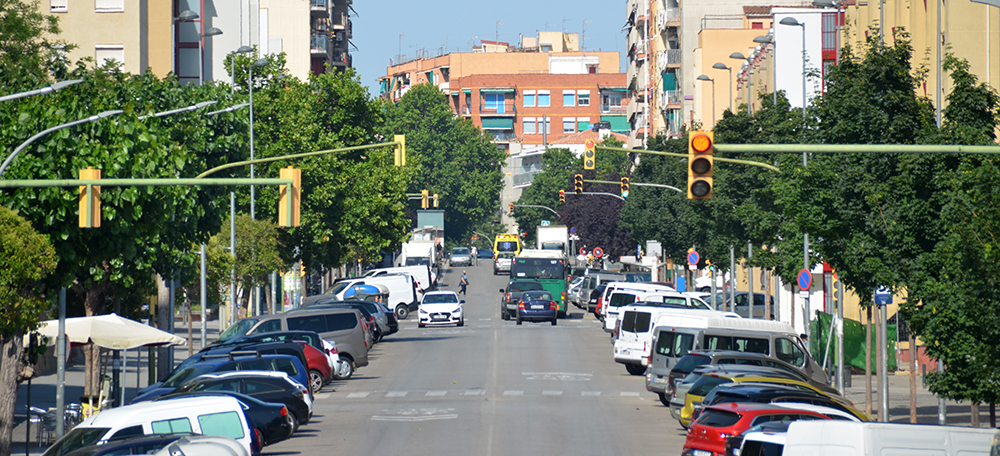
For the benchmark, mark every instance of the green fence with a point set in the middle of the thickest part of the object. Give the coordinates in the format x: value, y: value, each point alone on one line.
x: 854, y: 342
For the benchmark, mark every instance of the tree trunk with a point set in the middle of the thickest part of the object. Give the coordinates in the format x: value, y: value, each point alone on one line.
x: 975, y: 414
x: 913, y: 378
x: 93, y: 303
x: 993, y: 415
x: 163, y: 362
x: 868, y: 362
x: 11, y: 349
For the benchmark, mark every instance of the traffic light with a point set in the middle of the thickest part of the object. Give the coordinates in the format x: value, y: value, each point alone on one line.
x: 424, y: 197
x: 700, y: 164
x: 578, y: 184
x: 90, y: 202
x: 512, y: 209
x: 590, y: 155
x: 399, y: 150
x: 289, y: 197
x: 562, y: 196
x: 625, y: 185
x: 435, y: 201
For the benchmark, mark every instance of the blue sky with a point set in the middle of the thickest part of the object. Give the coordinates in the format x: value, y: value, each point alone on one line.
x: 432, y: 24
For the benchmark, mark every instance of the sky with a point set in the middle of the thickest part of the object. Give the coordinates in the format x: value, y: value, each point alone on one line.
x: 432, y: 25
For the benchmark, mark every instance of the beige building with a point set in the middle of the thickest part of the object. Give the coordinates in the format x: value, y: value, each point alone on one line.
x: 139, y: 38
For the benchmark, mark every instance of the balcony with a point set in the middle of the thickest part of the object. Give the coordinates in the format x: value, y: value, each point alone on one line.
x: 507, y: 108
x: 670, y: 97
x: 612, y: 109
x: 672, y: 56
x: 319, y: 8
x: 465, y: 111
x: 318, y: 44
x: 672, y: 16
x: 501, y: 135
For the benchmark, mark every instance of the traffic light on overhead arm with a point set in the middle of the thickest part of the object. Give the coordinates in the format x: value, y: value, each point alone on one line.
x: 424, y: 197
x: 578, y: 184
x: 562, y: 196
x: 590, y: 154
x: 90, y: 202
x: 701, y: 148
x: 435, y: 200
x: 511, y: 209
x: 399, y: 150
x: 289, y: 197
x: 625, y: 186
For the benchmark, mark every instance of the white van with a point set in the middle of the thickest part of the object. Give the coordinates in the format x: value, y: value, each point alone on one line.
x: 402, y: 288
x: 627, y: 293
x: 221, y: 415
x: 845, y: 438
x: 421, y: 273
x: 635, y: 333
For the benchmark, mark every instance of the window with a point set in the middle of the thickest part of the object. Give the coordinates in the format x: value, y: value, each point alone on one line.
x: 788, y: 352
x: 737, y: 343
x: 127, y: 432
x: 287, y: 366
x: 58, y: 6
x: 232, y: 386
x: 543, y: 98
x: 260, y: 387
x: 109, y: 6
x: 226, y: 424
x: 310, y: 323
x: 583, y: 98
x: 493, y: 101
x: 340, y: 321
x: 175, y: 426
x: 718, y: 418
x: 529, y: 125
x: 106, y: 52
x: 569, y: 125
x: 529, y: 98
x: 569, y: 98
x: 269, y: 326
x: 611, y: 100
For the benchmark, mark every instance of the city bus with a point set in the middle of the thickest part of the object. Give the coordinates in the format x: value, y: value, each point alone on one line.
x: 547, y: 267
x: 507, y: 242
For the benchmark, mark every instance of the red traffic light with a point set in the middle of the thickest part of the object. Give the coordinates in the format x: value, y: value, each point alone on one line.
x: 701, y: 143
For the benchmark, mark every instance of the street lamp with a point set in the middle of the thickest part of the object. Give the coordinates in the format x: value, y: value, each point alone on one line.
x: 722, y: 66
x: 193, y: 107
x: 214, y: 31
x: 749, y: 64
x: 767, y: 39
x: 42, y: 91
x: 232, y: 65
x: 32, y: 139
x: 706, y: 78
x: 792, y: 22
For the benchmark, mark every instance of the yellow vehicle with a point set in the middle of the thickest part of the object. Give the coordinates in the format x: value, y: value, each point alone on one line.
x: 708, y: 382
x: 507, y: 242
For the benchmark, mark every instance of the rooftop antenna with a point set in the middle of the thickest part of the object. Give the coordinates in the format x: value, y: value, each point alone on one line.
x: 583, y: 36
x: 498, y: 31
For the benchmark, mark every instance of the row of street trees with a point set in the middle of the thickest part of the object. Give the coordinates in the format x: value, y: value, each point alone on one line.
x: 926, y: 223
x: 354, y: 204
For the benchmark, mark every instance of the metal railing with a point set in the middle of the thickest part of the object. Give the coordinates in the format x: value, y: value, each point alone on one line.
x: 673, y: 56
x: 319, y: 3
x: 612, y: 108
x: 502, y: 135
x: 506, y: 108
x: 319, y: 43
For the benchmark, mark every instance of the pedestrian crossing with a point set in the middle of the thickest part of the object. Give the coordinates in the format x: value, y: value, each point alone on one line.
x: 459, y: 393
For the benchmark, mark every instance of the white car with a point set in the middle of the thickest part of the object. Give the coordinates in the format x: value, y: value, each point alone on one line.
x: 440, y: 308
x: 333, y: 357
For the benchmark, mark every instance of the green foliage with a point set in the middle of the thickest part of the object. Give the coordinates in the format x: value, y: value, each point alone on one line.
x: 450, y: 156
x: 26, y: 53
x: 26, y: 257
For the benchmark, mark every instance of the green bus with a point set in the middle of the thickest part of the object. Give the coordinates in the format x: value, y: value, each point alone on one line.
x: 547, y: 267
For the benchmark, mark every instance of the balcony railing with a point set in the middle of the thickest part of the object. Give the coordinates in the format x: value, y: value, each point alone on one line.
x: 524, y: 178
x: 319, y: 43
x: 612, y: 108
x: 319, y: 4
x: 671, y: 97
x: 673, y: 56
x: 465, y: 111
x: 502, y: 135
x: 504, y: 109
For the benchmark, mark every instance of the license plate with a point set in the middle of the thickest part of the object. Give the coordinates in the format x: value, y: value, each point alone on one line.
x: 439, y: 317
x: 702, y: 453
x: 542, y: 307
x: 661, y: 380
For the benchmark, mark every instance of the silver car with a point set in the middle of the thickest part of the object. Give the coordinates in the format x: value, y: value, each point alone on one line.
x: 460, y: 256
x: 502, y: 262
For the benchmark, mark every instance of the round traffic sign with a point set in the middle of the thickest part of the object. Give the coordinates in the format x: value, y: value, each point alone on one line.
x: 598, y: 252
x: 693, y: 258
x: 583, y: 251
x: 805, y: 279
x: 572, y: 230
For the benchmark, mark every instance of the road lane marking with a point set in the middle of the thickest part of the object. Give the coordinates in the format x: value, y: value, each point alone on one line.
x: 485, y: 319
x: 396, y: 394
x: 415, y: 418
x: 513, y: 393
x: 629, y: 394
x: 590, y: 393
x: 552, y: 393
x: 476, y: 392
x: 321, y: 396
x: 559, y: 376
x: 436, y: 393
x: 359, y: 395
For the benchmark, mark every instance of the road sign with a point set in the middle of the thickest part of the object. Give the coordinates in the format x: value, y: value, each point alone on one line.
x: 638, y: 252
x: 598, y: 252
x: 545, y: 223
x: 883, y: 296
x: 583, y: 251
x: 572, y: 230
x: 805, y: 279
x: 693, y: 258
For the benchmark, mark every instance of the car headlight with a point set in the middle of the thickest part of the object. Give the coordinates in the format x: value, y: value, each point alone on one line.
x: 457, y: 311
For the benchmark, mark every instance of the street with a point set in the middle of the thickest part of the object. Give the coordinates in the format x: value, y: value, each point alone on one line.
x: 489, y: 388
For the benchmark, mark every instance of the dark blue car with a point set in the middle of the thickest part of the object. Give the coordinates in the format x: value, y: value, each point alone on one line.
x: 235, y: 361
x: 537, y: 305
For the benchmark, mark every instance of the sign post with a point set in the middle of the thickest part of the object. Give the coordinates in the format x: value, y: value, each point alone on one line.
x: 693, y: 260
x: 883, y: 297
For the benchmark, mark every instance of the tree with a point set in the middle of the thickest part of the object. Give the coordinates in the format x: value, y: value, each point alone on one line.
x: 451, y: 156
x: 26, y: 52
x: 257, y: 254
x: 26, y: 257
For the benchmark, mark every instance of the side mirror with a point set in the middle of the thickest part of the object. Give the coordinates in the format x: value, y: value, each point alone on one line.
x: 461, y: 302
x: 502, y: 290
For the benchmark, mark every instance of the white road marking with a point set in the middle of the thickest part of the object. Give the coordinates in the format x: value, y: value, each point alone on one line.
x: 321, y: 396
x: 513, y: 393
x: 415, y: 418
x: 590, y: 393
x: 560, y: 376
x: 629, y: 394
x: 485, y: 319
x: 477, y: 392
x: 396, y: 394
x: 359, y: 395
x: 436, y: 393
x: 551, y: 393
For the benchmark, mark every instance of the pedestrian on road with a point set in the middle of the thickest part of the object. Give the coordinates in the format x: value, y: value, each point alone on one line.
x: 463, y: 282
x: 475, y: 256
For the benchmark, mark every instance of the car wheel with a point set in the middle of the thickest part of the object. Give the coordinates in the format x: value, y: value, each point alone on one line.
x: 461, y: 322
x: 347, y: 369
x: 293, y: 421
x: 420, y: 325
x: 635, y: 369
x: 554, y: 321
x: 504, y: 315
x: 664, y: 399
x: 402, y: 311
x: 518, y: 319
x: 315, y: 381
x: 495, y: 272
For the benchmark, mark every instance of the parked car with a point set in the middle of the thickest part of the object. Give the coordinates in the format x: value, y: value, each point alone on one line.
x: 271, y: 419
x: 596, y: 301
x: 572, y: 287
x: 223, y: 416
x: 744, y: 392
x: 512, y: 294
x: 537, y: 305
x: 141, y: 444
x: 280, y: 347
x: 708, y: 434
x: 460, y: 256
x: 320, y: 369
x: 484, y: 253
x: 440, y: 308
x: 265, y: 386
x: 502, y: 262
x: 202, y: 446
x: 693, y: 388
x: 209, y: 363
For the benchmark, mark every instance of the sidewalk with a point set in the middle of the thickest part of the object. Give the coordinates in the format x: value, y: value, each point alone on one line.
x: 958, y: 413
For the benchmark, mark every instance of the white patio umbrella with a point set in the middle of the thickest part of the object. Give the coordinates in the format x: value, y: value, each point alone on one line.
x: 109, y: 331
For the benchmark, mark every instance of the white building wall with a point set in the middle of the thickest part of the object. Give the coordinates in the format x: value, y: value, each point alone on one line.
x: 289, y: 21
x: 238, y: 20
x: 788, y: 53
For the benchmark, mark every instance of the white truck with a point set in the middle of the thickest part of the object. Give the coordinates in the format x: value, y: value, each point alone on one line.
x: 416, y: 253
x: 554, y: 237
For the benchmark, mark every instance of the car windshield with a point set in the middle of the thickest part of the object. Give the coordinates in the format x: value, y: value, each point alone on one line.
x: 536, y: 296
x: 440, y: 298
x: 77, y: 438
x: 690, y: 361
x: 183, y: 375
x: 459, y: 251
x: 240, y: 329
x: 525, y: 286
x: 416, y: 261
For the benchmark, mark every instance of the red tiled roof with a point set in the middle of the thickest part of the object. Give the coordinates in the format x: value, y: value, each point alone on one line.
x: 583, y: 136
x: 757, y: 10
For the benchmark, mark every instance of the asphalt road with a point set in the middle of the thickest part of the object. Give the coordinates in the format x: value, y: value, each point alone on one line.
x: 489, y: 388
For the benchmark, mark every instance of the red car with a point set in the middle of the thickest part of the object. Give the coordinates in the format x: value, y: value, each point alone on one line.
x: 320, y: 372
x: 707, y: 436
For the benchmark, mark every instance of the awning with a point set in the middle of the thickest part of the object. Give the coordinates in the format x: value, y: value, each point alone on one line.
x: 497, y: 90
x: 467, y: 90
x: 498, y: 123
x: 619, y: 124
x: 613, y: 89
